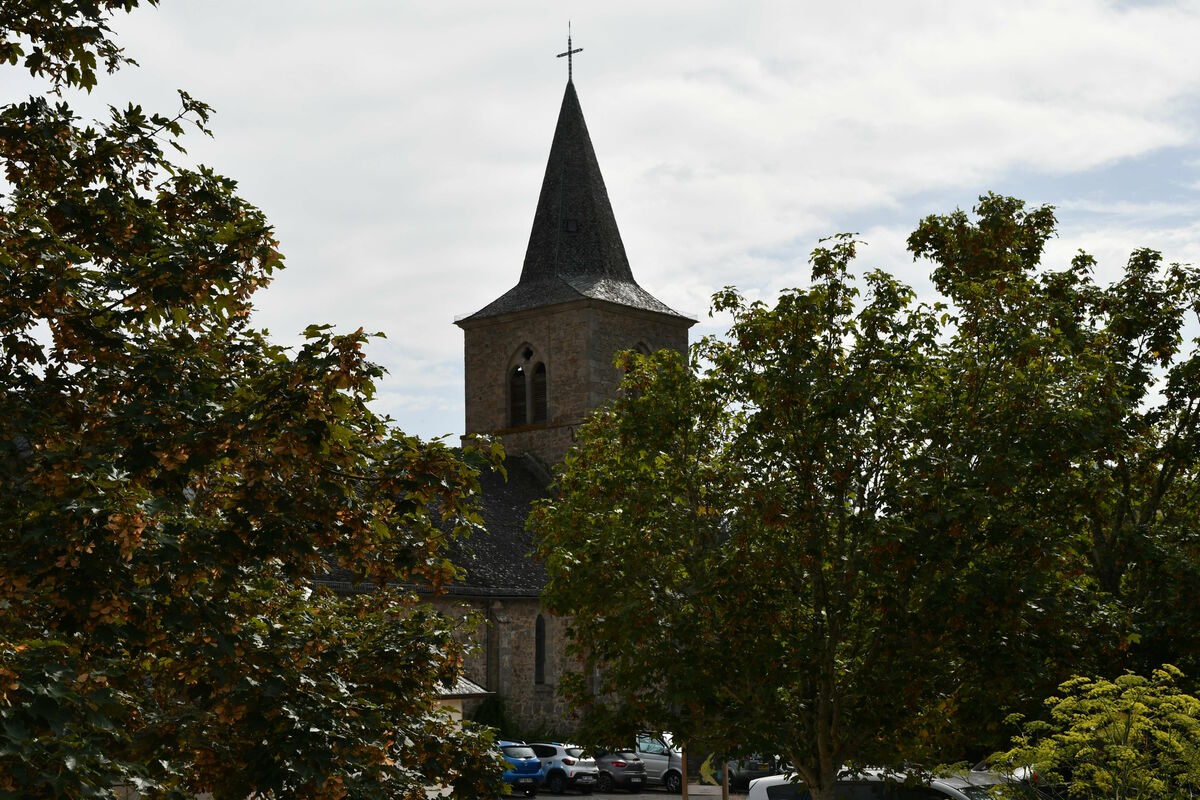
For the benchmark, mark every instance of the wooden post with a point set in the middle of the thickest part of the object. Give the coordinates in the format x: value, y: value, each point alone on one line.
x: 683, y: 769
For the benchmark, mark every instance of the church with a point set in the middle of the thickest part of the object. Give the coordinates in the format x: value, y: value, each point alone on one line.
x: 538, y: 359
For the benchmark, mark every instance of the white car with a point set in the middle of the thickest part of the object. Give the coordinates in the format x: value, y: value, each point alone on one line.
x: 877, y: 785
x: 566, y: 766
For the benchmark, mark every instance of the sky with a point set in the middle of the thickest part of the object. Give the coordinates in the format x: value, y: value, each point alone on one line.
x: 398, y: 147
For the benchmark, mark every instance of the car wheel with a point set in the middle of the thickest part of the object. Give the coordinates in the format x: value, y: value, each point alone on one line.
x: 604, y: 782
x: 556, y: 783
x: 673, y: 782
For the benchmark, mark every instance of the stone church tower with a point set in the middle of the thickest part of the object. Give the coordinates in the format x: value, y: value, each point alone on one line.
x: 538, y: 359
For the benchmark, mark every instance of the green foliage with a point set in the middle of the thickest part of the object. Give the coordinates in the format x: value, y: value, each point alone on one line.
x: 171, y: 482
x: 493, y: 712
x: 62, y: 40
x: 861, y: 530
x: 1123, y: 739
x: 1083, y: 403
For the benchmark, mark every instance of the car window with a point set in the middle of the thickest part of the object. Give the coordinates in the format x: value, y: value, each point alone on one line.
x: 518, y: 751
x: 787, y: 791
x: 919, y: 793
x: 543, y: 750
x: 862, y: 790
x: 575, y: 752
x: 648, y: 745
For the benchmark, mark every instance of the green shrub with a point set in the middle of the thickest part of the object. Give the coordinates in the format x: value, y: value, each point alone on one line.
x: 1125, y: 739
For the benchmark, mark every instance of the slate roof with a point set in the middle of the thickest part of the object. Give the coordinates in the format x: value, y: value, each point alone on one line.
x: 499, y: 559
x: 575, y: 250
x: 463, y: 688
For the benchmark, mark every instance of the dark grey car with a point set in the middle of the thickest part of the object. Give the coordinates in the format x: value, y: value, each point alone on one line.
x: 744, y: 770
x: 620, y: 769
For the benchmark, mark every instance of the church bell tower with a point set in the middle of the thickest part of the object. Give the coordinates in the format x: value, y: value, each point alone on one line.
x: 539, y: 358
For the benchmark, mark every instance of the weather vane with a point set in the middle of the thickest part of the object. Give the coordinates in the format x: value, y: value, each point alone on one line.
x: 569, y: 52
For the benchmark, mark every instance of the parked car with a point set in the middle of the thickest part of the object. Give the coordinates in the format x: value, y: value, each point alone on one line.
x: 524, y: 771
x: 874, y: 785
x: 664, y: 764
x: 566, y: 767
x: 620, y: 768
x: 744, y: 770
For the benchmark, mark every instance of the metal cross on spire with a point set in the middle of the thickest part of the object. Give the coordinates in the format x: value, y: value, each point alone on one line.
x: 569, y: 52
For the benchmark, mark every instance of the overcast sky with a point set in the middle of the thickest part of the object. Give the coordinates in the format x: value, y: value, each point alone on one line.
x: 398, y: 147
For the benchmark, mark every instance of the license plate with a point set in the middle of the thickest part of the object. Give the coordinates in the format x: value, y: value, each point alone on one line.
x: 586, y: 778
x: 636, y: 780
x: 524, y: 780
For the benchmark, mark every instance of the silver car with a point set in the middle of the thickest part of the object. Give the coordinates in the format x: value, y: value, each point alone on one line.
x: 664, y: 763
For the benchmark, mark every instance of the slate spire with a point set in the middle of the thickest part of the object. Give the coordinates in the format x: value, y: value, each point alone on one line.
x: 574, y: 231
x: 575, y: 249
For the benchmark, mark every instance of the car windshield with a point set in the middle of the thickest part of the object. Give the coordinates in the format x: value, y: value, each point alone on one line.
x: 574, y: 752
x: 518, y: 751
x: 625, y: 754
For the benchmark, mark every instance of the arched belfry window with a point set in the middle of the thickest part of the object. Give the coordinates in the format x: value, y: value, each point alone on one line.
x: 539, y: 393
x: 528, y: 388
x: 516, y: 396
x: 539, y: 650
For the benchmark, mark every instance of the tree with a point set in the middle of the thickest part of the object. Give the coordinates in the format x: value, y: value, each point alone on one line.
x: 1091, y: 398
x: 760, y: 600
x: 1122, y: 739
x: 853, y: 529
x: 171, y: 482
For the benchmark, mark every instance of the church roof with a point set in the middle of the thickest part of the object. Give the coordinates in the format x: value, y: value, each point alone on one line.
x: 575, y: 250
x: 498, y: 560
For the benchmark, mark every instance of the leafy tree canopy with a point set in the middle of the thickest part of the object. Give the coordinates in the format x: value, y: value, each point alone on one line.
x: 171, y: 482
x: 857, y: 529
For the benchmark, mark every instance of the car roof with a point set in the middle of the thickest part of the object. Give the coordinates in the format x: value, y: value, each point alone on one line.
x: 951, y: 781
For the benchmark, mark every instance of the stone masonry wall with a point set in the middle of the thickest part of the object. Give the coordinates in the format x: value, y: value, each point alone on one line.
x: 576, y: 342
x: 512, y: 622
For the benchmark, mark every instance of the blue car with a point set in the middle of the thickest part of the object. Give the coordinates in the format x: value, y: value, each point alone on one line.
x: 524, y: 771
